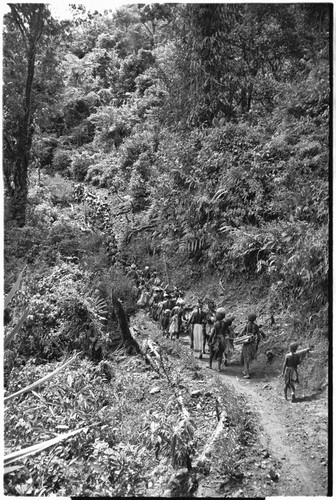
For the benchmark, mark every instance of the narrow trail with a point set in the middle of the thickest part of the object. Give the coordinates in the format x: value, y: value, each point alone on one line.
x: 294, y: 434
x: 291, y: 438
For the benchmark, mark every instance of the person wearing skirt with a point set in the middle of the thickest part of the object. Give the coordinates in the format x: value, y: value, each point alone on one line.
x: 289, y: 370
x: 218, y: 340
x: 197, y: 324
x: 250, y: 346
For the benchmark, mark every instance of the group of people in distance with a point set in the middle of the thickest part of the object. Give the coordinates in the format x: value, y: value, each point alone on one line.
x: 207, y: 326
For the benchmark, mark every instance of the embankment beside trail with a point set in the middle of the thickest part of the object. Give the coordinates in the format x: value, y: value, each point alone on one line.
x: 278, y: 448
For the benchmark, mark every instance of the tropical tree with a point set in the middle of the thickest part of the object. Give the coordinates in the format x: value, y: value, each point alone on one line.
x: 27, y: 35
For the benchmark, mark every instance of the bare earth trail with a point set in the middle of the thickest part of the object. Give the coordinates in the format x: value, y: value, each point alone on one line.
x: 294, y: 434
x: 291, y: 439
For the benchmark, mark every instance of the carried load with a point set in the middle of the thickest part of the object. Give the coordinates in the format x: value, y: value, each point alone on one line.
x: 246, y: 339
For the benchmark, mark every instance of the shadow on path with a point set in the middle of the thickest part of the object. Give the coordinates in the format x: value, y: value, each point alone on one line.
x: 233, y: 369
x: 311, y: 397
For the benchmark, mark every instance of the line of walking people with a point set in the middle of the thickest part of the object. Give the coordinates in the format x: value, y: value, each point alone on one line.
x: 207, y: 325
x: 216, y: 330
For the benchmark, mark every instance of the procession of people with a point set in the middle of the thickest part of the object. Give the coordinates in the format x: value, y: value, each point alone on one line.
x: 209, y: 329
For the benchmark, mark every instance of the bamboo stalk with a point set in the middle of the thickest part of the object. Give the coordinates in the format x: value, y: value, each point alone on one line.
x: 14, y: 288
x: 36, y: 448
x: 41, y: 381
x: 16, y: 328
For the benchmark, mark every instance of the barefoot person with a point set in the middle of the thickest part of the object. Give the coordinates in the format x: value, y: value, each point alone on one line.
x: 250, y: 346
x: 289, y: 370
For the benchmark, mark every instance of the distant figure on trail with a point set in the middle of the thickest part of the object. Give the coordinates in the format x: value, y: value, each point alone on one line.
x: 250, y: 345
x: 210, y: 321
x: 165, y: 321
x: 217, y: 340
x: 168, y: 301
x: 133, y: 274
x: 156, y: 298
x: 180, y: 309
x: 230, y: 335
x: 289, y: 369
x: 154, y: 280
x: 197, y: 322
x: 176, y: 319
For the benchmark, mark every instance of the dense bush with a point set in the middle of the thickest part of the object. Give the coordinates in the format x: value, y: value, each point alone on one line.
x: 80, y: 164
x: 61, y: 161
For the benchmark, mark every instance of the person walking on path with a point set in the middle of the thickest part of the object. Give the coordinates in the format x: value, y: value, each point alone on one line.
x: 209, y: 323
x: 197, y: 323
x: 217, y: 339
x: 289, y: 369
x: 229, y: 338
x: 250, y: 345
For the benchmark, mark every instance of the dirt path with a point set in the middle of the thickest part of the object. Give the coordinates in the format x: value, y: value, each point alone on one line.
x: 289, y: 456
x: 293, y: 435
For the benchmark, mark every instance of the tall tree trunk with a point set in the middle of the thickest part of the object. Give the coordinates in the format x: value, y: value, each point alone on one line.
x: 31, y: 34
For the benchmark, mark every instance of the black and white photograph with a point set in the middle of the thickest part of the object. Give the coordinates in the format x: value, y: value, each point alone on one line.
x: 167, y: 214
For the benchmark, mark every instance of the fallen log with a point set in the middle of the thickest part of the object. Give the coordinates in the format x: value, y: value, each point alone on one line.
x: 206, y: 453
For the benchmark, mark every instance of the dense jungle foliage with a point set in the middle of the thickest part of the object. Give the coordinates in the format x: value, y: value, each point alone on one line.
x: 203, y: 132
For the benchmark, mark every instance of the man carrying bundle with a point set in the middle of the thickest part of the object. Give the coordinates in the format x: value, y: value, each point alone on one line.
x: 252, y: 336
x: 229, y: 337
x: 217, y: 340
x: 289, y: 370
x: 210, y: 321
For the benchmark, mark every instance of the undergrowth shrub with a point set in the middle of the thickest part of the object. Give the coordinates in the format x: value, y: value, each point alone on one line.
x: 52, y: 189
x: 65, y: 314
x: 105, y: 173
x: 109, y: 457
x: 61, y: 162
x: 134, y: 146
x: 80, y: 163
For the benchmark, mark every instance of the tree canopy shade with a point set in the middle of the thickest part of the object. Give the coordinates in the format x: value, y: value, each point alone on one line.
x: 24, y: 26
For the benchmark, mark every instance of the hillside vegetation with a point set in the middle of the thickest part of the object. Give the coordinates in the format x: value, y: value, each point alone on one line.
x: 190, y: 138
